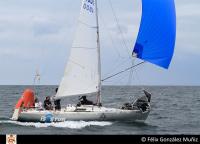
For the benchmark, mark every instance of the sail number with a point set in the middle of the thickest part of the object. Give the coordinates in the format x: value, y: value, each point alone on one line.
x: 88, y: 5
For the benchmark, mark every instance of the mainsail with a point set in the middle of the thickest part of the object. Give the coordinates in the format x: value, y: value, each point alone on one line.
x: 82, y: 73
x: 156, y: 39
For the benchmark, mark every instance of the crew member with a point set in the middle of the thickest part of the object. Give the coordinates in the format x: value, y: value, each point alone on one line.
x: 38, y: 104
x: 47, y: 103
x: 56, y: 102
x: 84, y: 101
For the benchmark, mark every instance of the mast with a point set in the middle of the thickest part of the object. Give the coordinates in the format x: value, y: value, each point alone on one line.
x: 99, y: 56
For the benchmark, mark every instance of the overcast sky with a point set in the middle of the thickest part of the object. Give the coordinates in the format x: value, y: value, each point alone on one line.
x: 38, y: 34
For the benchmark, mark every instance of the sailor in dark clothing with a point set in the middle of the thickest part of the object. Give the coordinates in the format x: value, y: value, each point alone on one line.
x: 57, y: 102
x: 47, y: 104
x: 84, y: 101
x: 148, y: 95
x: 143, y: 102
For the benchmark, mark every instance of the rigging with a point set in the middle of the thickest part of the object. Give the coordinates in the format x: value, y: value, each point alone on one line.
x: 127, y: 69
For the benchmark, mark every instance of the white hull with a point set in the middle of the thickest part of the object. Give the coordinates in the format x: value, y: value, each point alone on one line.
x: 85, y: 113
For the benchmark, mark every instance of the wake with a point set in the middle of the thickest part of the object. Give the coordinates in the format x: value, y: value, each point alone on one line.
x: 66, y: 124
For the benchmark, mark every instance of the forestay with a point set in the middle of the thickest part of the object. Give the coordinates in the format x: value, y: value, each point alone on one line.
x: 82, y: 74
x: 156, y: 38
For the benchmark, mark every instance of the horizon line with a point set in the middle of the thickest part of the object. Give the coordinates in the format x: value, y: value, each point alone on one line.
x: 102, y: 85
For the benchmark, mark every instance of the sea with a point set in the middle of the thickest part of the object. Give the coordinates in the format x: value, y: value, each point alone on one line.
x: 175, y: 110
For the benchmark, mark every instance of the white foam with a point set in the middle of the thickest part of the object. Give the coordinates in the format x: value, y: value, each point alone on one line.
x: 66, y: 124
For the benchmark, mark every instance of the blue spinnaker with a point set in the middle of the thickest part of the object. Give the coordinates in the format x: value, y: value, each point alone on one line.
x: 156, y: 38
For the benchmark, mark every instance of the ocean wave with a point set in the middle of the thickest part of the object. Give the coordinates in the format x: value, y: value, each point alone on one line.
x: 66, y: 124
x: 4, y: 118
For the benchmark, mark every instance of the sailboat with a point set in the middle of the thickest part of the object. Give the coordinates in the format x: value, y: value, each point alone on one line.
x: 155, y: 44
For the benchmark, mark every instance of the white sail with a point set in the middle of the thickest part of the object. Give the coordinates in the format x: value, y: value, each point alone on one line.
x: 82, y: 75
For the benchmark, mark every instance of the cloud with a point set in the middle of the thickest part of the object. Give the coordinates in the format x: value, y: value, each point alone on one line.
x: 188, y: 19
x: 187, y: 8
x: 45, y: 27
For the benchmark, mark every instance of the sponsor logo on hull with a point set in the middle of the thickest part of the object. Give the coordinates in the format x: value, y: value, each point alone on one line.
x: 48, y: 118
